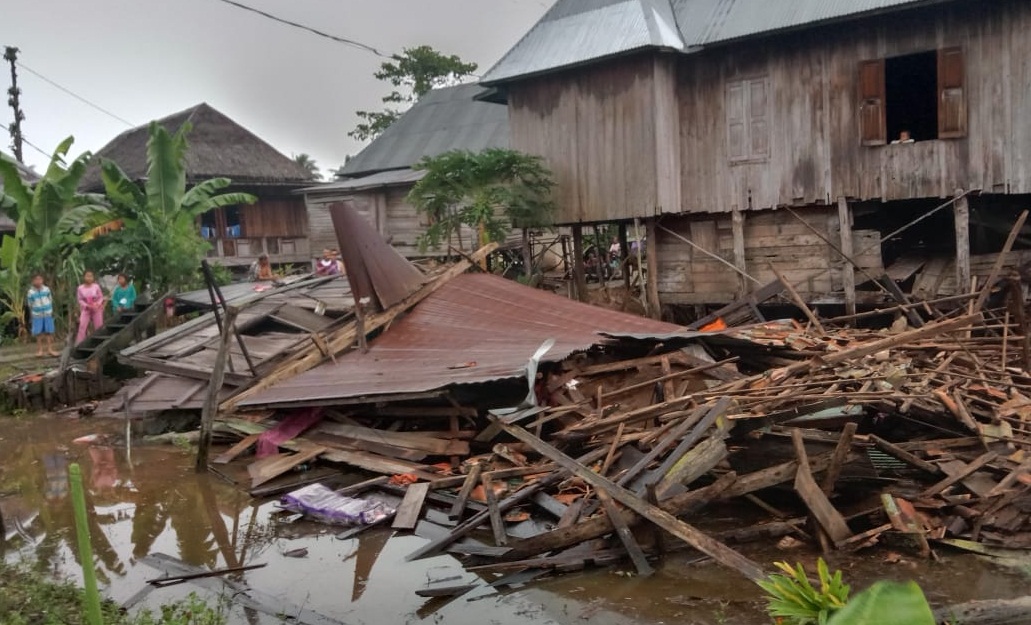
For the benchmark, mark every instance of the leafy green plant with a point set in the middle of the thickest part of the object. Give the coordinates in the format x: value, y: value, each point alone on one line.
x: 886, y: 602
x: 793, y: 600
x: 491, y: 191
x: 190, y: 611
x: 50, y: 216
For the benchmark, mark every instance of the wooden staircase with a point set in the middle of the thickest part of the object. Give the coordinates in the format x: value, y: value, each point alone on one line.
x: 118, y: 333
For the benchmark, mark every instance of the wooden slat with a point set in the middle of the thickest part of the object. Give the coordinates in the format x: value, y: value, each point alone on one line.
x: 829, y: 519
x: 410, y: 510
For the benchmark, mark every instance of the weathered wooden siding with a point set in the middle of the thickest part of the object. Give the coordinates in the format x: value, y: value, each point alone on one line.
x: 816, y: 155
x: 688, y: 276
x: 388, y: 210
x: 279, y: 218
x: 605, y: 131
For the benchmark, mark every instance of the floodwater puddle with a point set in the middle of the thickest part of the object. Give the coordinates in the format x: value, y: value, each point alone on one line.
x: 147, y: 500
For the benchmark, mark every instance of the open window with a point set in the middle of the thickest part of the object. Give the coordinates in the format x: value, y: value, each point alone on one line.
x: 748, y: 128
x: 914, y: 97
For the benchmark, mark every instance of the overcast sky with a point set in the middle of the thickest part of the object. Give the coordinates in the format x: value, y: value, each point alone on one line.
x: 144, y: 59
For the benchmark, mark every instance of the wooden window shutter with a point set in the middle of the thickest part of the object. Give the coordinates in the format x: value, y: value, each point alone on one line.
x: 952, y: 104
x: 737, y: 129
x: 873, y: 125
x: 758, y: 114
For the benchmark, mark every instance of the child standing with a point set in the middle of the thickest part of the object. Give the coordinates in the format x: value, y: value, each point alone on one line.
x: 123, y: 297
x: 91, y: 306
x: 41, y: 305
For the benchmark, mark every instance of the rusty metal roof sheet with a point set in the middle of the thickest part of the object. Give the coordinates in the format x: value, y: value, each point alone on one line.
x: 374, y: 267
x: 477, y: 328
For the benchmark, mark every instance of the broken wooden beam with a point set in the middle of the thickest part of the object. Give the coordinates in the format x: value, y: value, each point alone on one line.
x: 707, y: 545
x: 901, y: 454
x: 625, y: 535
x: 410, y: 510
x: 838, y: 459
x: 828, y: 518
x: 471, y: 480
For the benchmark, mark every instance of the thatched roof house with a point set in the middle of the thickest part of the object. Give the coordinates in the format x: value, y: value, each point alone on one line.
x: 221, y: 148
x: 377, y: 180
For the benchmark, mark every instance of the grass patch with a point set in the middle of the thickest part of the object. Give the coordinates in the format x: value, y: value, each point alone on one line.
x: 29, y: 597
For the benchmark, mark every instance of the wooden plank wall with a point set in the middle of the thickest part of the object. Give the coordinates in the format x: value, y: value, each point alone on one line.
x: 597, y: 129
x: 687, y: 276
x: 275, y: 218
x: 814, y: 130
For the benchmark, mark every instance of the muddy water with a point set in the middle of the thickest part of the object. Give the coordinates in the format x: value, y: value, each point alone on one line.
x: 149, y: 501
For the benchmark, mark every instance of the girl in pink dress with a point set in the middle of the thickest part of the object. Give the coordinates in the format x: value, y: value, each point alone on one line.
x: 91, y: 306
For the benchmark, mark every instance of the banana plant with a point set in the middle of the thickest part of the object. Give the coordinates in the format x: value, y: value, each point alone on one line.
x: 49, y: 216
x: 151, y: 229
x: 793, y: 600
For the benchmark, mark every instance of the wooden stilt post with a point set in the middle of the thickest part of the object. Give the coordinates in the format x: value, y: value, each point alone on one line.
x: 848, y: 272
x: 624, y: 255
x: 579, y: 278
x: 738, y: 227
x: 655, y: 306
x: 527, y: 254
x: 210, y: 409
x: 961, y: 211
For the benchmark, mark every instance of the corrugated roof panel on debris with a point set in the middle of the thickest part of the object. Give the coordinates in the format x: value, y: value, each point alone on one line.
x: 477, y: 328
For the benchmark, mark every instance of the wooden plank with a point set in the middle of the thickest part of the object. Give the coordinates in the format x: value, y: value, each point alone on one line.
x: 1000, y: 261
x: 410, y: 510
x: 360, y: 487
x: 838, y: 459
x: 828, y: 518
x: 848, y: 272
x: 471, y: 480
x: 688, y: 441
x: 408, y: 440
x: 901, y: 454
x: 652, y: 260
x: 625, y: 536
x: 210, y: 409
x: 269, y: 468
x: 959, y: 476
x: 738, y: 228
x: 497, y: 523
x: 977, y: 483
x: 676, y: 434
x: 961, y: 214
x: 700, y: 541
x: 233, y: 452
x: 694, y: 464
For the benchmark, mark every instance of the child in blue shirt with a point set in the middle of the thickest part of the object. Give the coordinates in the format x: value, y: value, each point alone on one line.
x: 41, y: 305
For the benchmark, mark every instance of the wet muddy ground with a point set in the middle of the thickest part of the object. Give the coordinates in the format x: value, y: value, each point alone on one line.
x: 148, y: 500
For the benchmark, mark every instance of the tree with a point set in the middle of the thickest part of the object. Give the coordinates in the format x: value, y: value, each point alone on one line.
x: 308, y: 164
x: 151, y: 231
x: 413, y: 73
x: 49, y: 217
x: 491, y: 191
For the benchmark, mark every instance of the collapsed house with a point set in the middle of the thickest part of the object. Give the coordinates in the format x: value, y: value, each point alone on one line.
x: 707, y: 120
x: 528, y: 434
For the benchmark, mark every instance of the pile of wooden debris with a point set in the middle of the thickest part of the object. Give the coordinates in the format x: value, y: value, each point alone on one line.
x: 835, y: 436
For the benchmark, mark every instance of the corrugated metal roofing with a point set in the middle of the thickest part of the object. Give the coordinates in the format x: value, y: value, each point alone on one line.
x: 477, y: 328
x: 575, y: 32
x: 442, y: 120
x: 382, y: 179
x: 578, y: 31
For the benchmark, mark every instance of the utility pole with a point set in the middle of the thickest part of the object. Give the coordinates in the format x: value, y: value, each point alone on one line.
x: 11, y: 56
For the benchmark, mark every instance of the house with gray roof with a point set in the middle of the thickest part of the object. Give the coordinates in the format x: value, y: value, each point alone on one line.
x: 705, y: 119
x: 377, y: 180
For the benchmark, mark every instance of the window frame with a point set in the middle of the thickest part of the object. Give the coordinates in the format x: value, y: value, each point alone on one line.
x: 748, y: 119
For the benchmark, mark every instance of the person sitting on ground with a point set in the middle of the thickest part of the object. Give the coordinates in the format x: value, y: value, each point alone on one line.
x: 327, y: 265
x: 261, y: 270
x: 41, y: 305
x: 123, y: 297
x: 91, y: 306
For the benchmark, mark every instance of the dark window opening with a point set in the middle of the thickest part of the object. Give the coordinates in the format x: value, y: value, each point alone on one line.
x: 234, y: 225
x: 911, y: 86
x: 209, y: 225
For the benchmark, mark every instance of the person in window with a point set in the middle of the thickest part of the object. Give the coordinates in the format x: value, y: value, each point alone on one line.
x: 123, y: 297
x: 904, y: 137
x: 261, y: 270
x: 91, y: 306
x: 327, y: 265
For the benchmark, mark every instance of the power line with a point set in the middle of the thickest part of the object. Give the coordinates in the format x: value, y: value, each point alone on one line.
x: 29, y: 143
x: 75, y: 95
x: 343, y: 40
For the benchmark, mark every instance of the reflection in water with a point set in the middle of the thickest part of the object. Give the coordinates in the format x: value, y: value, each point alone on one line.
x: 155, y: 503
